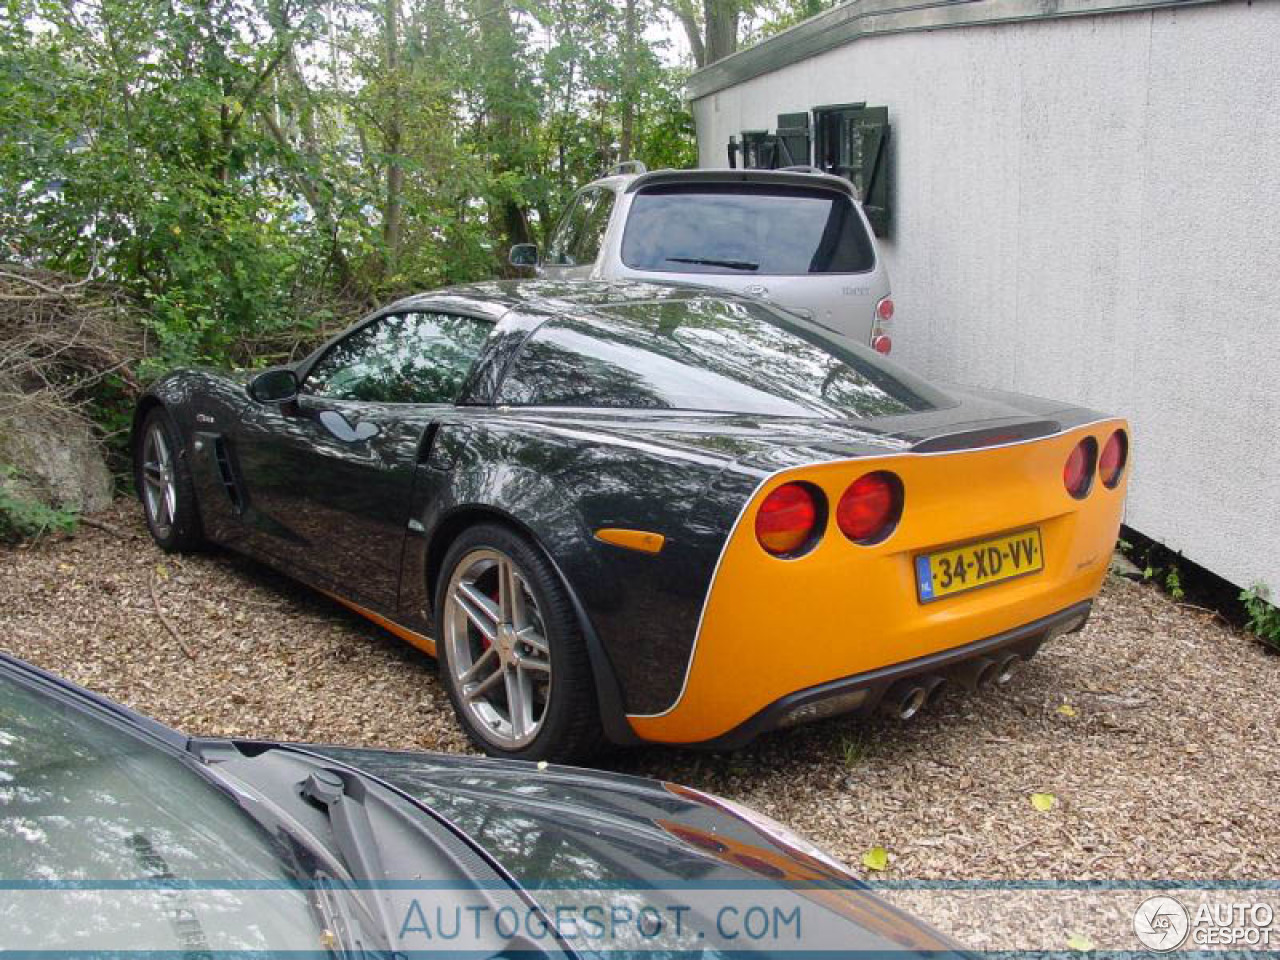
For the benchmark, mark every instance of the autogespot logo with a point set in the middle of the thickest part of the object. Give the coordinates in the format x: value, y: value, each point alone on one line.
x: 1161, y: 923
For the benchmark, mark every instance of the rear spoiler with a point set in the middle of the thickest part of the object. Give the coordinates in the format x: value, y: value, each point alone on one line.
x: 996, y: 436
x: 773, y: 177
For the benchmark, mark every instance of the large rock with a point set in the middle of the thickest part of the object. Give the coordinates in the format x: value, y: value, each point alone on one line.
x: 57, y: 459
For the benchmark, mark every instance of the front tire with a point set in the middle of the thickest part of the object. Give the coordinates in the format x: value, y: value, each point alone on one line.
x: 511, y: 650
x: 163, y: 478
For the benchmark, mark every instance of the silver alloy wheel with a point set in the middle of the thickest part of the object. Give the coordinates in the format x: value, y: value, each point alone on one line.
x: 159, y: 485
x: 498, y: 652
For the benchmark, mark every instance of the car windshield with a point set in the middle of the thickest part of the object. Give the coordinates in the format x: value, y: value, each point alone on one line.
x: 712, y: 354
x: 754, y: 229
x: 94, y: 813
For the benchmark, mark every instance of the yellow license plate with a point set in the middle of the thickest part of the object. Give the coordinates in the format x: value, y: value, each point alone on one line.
x: 979, y: 564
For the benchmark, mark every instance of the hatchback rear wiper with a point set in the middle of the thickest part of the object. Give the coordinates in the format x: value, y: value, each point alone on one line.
x: 711, y: 262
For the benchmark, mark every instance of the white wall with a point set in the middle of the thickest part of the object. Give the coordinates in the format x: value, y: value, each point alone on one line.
x: 1089, y: 209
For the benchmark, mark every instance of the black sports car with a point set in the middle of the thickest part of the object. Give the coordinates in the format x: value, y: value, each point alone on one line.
x: 646, y: 512
x: 122, y: 837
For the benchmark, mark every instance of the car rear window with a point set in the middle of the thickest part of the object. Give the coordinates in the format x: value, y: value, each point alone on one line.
x: 729, y: 356
x: 754, y: 229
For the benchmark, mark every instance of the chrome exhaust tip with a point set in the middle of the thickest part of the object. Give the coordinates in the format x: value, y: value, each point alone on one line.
x: 933, y: 688
x: 976, y: 673
x: 905, y: 700
x: 1008, y: 667
x: 912, y: 703
x: 990, y: 672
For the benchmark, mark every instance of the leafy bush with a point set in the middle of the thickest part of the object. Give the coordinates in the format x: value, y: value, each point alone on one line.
x: 24, y: 519
x: 1264, y: 617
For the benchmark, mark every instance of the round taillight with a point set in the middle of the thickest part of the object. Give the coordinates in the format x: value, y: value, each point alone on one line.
x: 884, y: 309
x: 788, y: 519
x: 870, y: 508
x: 1114, y: 456
x: 1077, y: 473
x: 882, y: 344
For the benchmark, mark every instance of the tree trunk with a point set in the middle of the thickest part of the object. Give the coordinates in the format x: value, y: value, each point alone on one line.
x: 392, y: 214
x: 562, y: 123
x: 502, y: 86
x: 684, y: 11
x: 721, y: 18
x: 629, y: 91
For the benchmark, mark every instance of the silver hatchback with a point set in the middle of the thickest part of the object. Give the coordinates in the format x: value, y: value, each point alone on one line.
x: 799, y: 239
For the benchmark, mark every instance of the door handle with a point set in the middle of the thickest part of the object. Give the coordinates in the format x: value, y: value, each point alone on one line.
x: 337, y: 424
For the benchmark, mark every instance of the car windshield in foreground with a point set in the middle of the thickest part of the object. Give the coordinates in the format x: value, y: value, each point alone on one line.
x: 89, y: 805
x: 745, y: 228
x: 710, y: 354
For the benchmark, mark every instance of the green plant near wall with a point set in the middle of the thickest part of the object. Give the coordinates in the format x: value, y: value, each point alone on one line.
x: 1264, y: 616
x: 24, y: 519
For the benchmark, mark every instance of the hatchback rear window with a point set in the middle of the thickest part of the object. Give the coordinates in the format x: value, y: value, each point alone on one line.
x: 745, y: 229
x: 726, y: 356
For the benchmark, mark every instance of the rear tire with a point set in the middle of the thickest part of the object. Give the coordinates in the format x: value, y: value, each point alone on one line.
x: 163, y: 478
x: 511, y: 650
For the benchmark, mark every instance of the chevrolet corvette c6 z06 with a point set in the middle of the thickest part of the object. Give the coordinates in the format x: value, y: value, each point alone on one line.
x: 631, y: 512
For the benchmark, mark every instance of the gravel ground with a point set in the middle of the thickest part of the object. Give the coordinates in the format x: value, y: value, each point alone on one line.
x: 1155, y: 729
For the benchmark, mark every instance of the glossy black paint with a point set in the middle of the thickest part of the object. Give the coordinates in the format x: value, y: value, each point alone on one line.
x: 363, y: 499
x: 455, y: 822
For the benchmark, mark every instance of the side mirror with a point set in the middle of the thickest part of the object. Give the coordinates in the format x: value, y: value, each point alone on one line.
x: 523, y: 255
x: 277, y: 385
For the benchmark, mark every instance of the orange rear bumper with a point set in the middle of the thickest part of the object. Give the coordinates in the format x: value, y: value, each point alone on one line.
x: 771, y: 626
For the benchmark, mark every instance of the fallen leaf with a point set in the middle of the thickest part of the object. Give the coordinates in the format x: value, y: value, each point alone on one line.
x: 162, y: 571
x: 1043, y: 802
x: 1067, y: 710
x: 877, y: 858
x: 1078, y: 941
x: 542, y: 764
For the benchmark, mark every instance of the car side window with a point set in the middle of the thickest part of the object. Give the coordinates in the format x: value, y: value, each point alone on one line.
x: 410, y: 357
x: 595, y: 223
x: 566, y: 241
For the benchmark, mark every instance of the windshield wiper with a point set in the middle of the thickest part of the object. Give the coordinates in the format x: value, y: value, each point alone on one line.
x: 711, y: 262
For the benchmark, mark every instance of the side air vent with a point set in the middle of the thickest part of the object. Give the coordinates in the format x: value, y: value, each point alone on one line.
x: 226, y: 472
x: 989, y: 436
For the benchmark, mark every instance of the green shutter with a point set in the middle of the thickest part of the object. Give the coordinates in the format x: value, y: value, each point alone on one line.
x: 793, y: 139
x: 851, y: 140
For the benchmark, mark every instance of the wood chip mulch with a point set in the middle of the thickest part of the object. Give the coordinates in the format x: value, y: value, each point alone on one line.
x: 1156, y: 730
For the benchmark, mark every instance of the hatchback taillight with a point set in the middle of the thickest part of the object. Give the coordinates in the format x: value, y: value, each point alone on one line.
x: 870, y: 508
x: 1077, y: 472
x: 1114, y: 457
x: 789, y: 519
x: 881, y: 342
